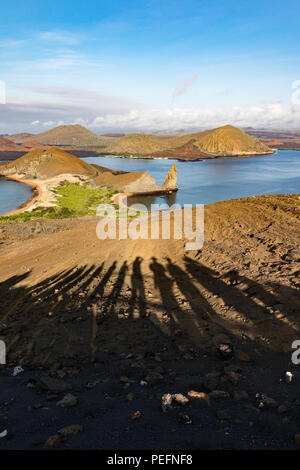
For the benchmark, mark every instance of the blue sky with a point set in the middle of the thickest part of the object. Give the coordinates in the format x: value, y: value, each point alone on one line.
x: 149, y: 65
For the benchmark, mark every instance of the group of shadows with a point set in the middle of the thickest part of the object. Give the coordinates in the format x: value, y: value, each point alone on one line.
x: 77, y: 310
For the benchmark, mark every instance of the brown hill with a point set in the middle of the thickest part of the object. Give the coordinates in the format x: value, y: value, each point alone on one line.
x: 43, y: 164
x: 19, y: 138
x: 145, y: 144
x: 139, y: 144
x: 72, y: 136
x: 7, y: 145
x: 230, y: 141
x: 226, y: 140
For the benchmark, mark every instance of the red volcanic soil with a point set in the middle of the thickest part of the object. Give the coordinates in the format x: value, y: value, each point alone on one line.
x: 7, y: 145
x: 273, y: 142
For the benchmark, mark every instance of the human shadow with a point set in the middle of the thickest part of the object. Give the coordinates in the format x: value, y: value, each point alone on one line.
x: 79, y: 313
x: 138, y: 296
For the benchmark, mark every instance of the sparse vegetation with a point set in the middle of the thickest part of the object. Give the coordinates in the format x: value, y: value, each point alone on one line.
x: 73, y: 200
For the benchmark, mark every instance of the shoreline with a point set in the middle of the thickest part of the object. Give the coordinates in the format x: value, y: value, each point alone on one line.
x: 181, y: 159
x: 36, y: 194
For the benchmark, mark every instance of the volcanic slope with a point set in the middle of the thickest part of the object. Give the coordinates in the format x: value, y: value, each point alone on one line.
x: 230, y: 141
x: 72, y: 136
x: 48, y: 163
x: 223, y: 141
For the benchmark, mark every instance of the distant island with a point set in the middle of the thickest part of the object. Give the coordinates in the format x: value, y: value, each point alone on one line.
x: 224, y: 141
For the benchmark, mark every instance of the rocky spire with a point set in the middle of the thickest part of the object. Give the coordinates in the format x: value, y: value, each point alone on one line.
x: 171, y: 179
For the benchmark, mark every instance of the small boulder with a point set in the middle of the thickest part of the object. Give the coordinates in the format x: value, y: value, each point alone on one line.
x: 70, y: 430
x: 240, y: 395
x: 50, y: 384
x: 217, y: 394
x: 68, y: 401
x: 52, y: 441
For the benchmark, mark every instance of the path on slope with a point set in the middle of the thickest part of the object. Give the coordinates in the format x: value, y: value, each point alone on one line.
x: 242, y: 287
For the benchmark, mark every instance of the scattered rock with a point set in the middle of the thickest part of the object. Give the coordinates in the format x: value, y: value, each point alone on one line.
x: 136, y: 415
x: 143, y: 383
x: 53, y: 385
x: 225, y: 351
x: 184, y: 418
x: 199, y: 395
x: 267, y: 402
x: 70, y: 430
x: 240, y: 395
x: 216, y: 394
x: 124, y: 380
x: 53, y: 441
x: 67, y: 401
x: 288, y: 377
x: 169, y: 401
x: 17, y: 370
x: 166, y: 402
x: 179, y: 399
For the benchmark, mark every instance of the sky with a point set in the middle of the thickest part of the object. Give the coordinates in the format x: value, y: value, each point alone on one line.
x: 133, y: 66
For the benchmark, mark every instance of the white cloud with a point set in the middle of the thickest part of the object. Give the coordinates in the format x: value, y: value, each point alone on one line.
x: 118, y: 114
x: 273, y: 115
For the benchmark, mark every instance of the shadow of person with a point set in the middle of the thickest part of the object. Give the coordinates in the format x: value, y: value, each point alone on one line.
x: 137, y: 288
x: 250, y: 316
x: 111, y: 301
x: 195, y: 320
x: 164, y: 284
